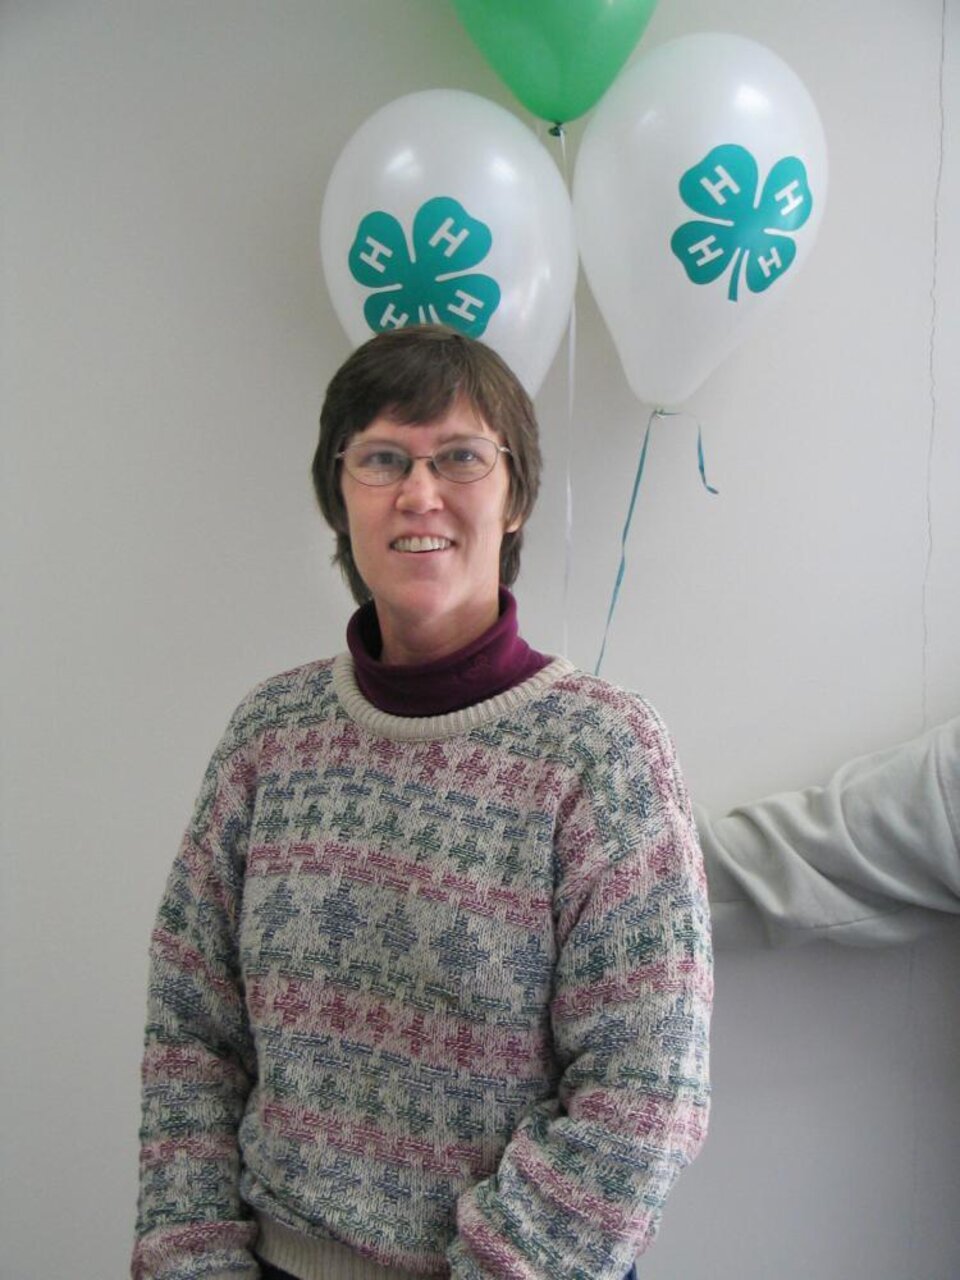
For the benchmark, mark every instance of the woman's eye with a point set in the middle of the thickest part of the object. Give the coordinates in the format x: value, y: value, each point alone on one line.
x: 383, y: 460
x: 460, y: 455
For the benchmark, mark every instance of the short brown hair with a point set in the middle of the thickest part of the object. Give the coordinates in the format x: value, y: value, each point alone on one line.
x: 416, y: 375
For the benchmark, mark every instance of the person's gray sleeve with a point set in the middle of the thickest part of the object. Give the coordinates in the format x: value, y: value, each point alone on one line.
x: 869, y: 859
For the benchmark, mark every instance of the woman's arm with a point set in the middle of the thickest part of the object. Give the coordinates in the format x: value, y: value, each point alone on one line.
x: 581, y: 1185
x: 198, y: 1063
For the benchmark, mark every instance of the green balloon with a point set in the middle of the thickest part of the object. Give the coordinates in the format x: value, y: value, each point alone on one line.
x: 558, y: 56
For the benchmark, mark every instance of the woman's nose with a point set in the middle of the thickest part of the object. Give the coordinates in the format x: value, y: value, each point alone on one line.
x: 419, y: 490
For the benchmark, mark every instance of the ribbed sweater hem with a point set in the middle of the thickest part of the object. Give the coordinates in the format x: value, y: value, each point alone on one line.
x: 310, y: 1259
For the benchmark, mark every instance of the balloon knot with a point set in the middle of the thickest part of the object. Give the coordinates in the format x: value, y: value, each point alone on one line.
x: 556, y: 130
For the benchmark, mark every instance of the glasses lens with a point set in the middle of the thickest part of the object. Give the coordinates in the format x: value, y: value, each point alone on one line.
x: 466, y: 460
x: 378, y: 462
x: 371, y: 462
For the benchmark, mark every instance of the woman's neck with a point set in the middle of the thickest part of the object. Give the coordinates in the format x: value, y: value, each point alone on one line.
x: 493, y: 662
x: 404, y: 646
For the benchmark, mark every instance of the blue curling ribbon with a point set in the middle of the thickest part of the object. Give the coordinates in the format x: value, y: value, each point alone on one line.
x: 670, y: 413
x: 657, y: 413
x: 703, y: 474
x: 623, y: 542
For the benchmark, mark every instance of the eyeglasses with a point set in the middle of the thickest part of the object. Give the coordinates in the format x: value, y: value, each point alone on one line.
x: 462, y: 460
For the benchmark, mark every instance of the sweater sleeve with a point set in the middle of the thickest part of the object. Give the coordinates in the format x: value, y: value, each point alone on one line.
x: 580, y: 1188
x: 198, y: 1063
x: 868, y: 859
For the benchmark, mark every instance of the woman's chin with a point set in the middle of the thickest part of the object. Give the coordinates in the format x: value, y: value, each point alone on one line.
x: 423, y: 598
x: 425, y: 613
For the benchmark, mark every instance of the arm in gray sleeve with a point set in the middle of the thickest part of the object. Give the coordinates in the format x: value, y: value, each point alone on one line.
x: 866, y: 860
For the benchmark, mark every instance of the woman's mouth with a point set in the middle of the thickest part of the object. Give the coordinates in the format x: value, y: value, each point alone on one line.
x: 418, y: 545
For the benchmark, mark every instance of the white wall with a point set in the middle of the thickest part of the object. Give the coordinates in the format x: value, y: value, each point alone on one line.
x: 166, y: 339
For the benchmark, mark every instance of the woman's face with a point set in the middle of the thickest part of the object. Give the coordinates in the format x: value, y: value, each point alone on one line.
x: 429, y: 548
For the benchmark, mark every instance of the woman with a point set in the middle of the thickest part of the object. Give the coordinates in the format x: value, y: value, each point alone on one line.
x: 431, y: 978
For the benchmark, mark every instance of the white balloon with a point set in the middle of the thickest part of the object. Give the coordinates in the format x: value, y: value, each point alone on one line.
x: 679, y: 283
x: 444, y: 207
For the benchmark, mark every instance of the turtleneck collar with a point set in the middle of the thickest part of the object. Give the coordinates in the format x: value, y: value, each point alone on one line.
x: 489, y: 665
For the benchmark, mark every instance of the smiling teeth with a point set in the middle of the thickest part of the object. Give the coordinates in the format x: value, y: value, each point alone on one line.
x: 422, y: 544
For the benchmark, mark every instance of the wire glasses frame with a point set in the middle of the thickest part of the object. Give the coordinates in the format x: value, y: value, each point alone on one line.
x: 463, y: 460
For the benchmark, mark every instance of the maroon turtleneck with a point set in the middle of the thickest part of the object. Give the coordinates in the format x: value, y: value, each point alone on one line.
x: 492, y: 663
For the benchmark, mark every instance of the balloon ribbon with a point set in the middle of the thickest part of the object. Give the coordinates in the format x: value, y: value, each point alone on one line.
x: 703, y: 474
x: 657, y: 413
x: 623, y: 542
x: 568, y: 517
x: 557, y: 132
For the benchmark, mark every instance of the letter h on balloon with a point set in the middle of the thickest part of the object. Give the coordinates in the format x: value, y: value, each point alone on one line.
x: 453, y: 242
x: 771, y: 263
x: 391, y: 319
x: 465, y: 303
x: 725, y: 183
x: 374, y: 252
x: 706, y: 250
x: 788, y: 199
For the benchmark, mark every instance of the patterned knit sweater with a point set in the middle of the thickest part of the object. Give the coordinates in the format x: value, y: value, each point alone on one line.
x: 436, y: 988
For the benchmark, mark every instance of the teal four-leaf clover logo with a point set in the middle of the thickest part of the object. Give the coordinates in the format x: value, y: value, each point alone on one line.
x: 436, y: 282
x: 739, y: 230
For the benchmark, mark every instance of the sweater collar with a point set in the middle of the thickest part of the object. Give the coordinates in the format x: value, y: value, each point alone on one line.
x: 489, y: 665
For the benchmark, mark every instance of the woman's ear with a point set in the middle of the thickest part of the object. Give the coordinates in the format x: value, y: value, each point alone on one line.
x: 513, y: 525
